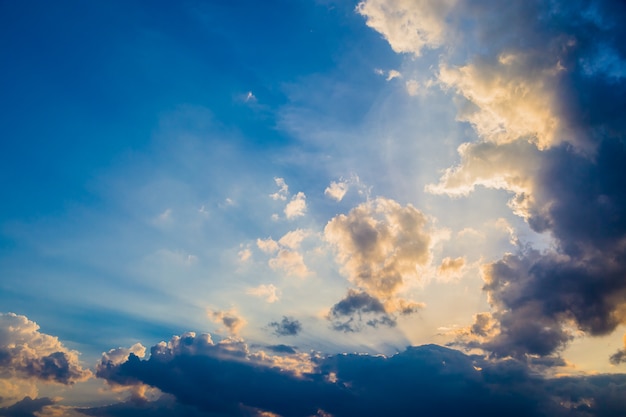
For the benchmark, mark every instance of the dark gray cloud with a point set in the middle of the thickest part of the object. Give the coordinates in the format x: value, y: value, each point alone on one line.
x: 550, y: 76
x: 359, y: 308
x: 166, y: 406
x: 425, y: 380
x: 619, y: 356
x: 282, y: 349
x: 288, y: 326
x: 27, y: 407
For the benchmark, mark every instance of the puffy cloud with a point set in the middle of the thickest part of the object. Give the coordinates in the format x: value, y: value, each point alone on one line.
x: 291, y: 262
x: 269, y: 292
x: 120, y: 355
x: 229, y: 319
x: 286, y: 258
x: 545, y: 111
x: 408, y: 25
x: 288, y: 326
x: 268, y: 245
x: 451, y: 267
x: 27, y: 355
x: 337, y: 190
x: 512, y: 166
x: 296, y: 207
x: 420, y: 380
x: 380, y: 244
x: 283, y: 189
x: 294, y: 238
x: 224, y: 377
x: 513, y: 97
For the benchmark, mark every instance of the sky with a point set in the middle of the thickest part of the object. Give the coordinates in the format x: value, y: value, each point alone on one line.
x: 313, y: 208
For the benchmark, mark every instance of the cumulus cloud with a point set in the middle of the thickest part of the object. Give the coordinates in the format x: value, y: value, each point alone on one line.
x: 229, y: 379
x: 513, y: 97
x: 409, y: 26
x: 296, y: 207
x: 27, y: 355
x: 231, y: 321
x: 451, y: 267
x: 380, y: 245
x: 288, y: 326
x: 285, y: 254
x: 549, y: 132
x: 269, y: 292
x: 283, y: 189
x: 337, y: 190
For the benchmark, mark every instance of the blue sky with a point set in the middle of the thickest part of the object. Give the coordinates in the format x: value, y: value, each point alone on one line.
x: 284, y: 194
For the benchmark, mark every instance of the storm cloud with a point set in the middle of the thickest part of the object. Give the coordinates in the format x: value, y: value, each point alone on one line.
x: 541, y: 84
x: 420, y: 380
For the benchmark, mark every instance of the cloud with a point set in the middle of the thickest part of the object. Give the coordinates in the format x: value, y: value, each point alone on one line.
x: 288, y: 326
x: 337, y: 190
x: 27, y: 407
x: 549, y: 132
x: 619, y: 356
x: 451, y: 268
x: 380, y: 244
x: 428, y: 380
x: 291, y: 262
x: 286, y: 256
x: 294, y: 238
x: 269, y: 292
x: 296, y: 207
x: 513, y: 97
x: 358, y: 309
x: 283, y: 189
x: 229, y: 319
x: 282, y: 349
x: 26, y: 355
x: 408, y: 26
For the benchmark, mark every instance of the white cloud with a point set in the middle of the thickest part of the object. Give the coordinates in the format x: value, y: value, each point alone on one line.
x: 408, y: 25
x: 283, y: 189
x: 269, y: 292
x: 268, y: 245
x: 337, y: 190
x: 393, y: 74
x: 244, y: 254
x: 120, y: 355
x: 294, y: 238
x: 296, y: 207
x: 511, y: 166
x: 291, y: 262
x: 514, y: 96
x: 287, y: 258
